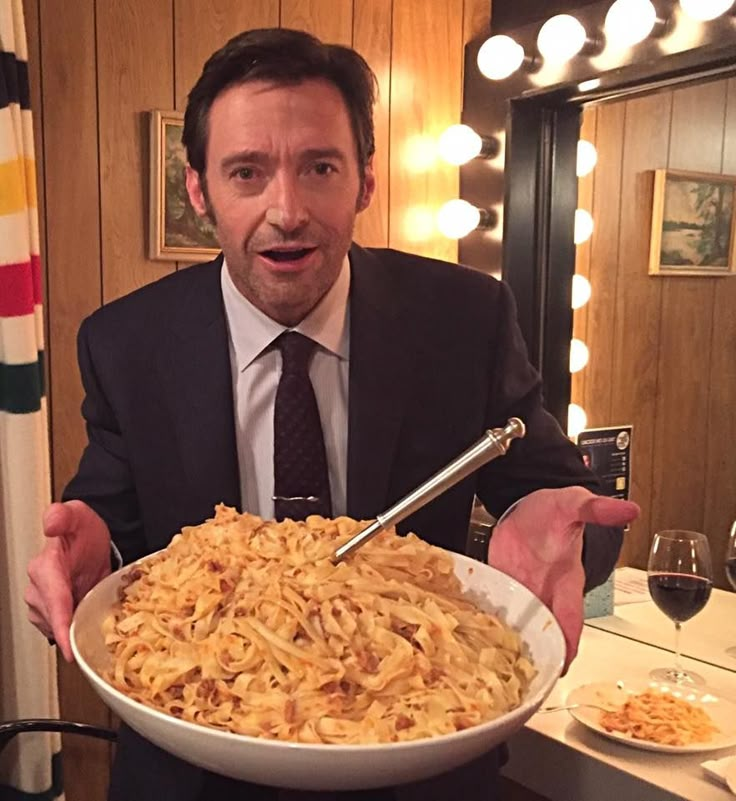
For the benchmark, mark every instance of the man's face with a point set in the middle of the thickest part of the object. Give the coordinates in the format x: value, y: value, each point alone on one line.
x: 283, y: 186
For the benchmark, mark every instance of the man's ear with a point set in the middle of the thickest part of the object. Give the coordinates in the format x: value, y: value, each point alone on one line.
x: 195, y: 191
x: 368, y: 188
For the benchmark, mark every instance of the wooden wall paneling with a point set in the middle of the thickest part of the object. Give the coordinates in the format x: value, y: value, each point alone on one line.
x: 330, y: 20
x: 588, y: 124
x: 476, y: 19
x: 605, y: 264
x: 636, y: 337
x: 372, y: 39
x: 31, y: 16
x: 720, y: 460
x: 678, y: 481
x: 73, y: 277
x: 135, y: 75
x: 202, y: 27
x: 71, y: 205
x: 426, y: 88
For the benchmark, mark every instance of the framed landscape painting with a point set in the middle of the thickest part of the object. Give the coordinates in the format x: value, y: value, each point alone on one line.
x: 693, y: 224
x: 176, y: 232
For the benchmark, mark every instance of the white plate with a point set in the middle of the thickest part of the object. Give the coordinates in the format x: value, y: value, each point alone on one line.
x: 334, y: 767
x: 722, y: 770
x: 731, y: 775
x: 721, y: 711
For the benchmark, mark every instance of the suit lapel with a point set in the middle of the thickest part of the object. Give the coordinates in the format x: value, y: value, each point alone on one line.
x: 381, y: 344
x: 198, y: 381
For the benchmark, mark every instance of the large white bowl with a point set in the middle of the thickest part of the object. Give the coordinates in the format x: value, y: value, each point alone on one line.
x: 334, y: 767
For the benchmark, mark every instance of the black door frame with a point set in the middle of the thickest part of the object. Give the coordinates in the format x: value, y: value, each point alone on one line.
x: 537, y: 118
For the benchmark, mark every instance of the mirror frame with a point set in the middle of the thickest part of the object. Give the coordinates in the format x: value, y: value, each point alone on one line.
x: 532, y: 184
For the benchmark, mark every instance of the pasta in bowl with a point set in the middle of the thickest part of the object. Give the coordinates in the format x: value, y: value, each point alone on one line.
x: 242, y: 648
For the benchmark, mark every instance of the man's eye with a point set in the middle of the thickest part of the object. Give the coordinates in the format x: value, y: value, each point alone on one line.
x: 244, y: 173
x: 324, y: 168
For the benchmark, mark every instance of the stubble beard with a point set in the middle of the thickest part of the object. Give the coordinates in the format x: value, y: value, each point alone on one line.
x: 286, y: 298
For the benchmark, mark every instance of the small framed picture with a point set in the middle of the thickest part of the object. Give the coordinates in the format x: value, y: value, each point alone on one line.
x: 693, y: 224
x: 176, y: 232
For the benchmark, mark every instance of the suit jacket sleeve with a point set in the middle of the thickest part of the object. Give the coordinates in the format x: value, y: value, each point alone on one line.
x: 545, y: 457
x: 104, y: 479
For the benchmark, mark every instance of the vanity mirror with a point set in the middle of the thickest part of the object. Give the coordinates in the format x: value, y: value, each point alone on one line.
x: 659, y: 345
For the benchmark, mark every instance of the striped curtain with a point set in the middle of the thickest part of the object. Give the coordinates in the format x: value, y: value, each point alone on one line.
x: 29, y: 766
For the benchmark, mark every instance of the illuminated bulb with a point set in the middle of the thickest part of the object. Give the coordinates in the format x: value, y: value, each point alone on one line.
x: 579, y: 355
x: 587, y: 157
x: 583, y: 226
x: 587, y: 86
x: 580, y: 291
x: 561, y: 38
x: 577, y: 420
x: 499, y: 57
x: 704, y: 10
x: 459, y: 144
x: 628, y: 22
x: 457, y: 218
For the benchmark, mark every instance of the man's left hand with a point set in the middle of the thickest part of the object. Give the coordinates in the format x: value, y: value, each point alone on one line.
x: 540, y: 544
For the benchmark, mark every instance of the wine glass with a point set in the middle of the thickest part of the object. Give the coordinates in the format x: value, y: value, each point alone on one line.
x: 731, y: 572
x: 680, y: 578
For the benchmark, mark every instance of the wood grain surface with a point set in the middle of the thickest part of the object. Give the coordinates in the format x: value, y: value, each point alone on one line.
x: 372, y: 38
x: 662, y: 347
x: 430, y: 46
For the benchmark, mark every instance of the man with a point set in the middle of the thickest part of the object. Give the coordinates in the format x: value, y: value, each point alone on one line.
x: 414, y: 359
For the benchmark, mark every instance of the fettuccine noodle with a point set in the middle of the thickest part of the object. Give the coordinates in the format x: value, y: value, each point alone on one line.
x: 660, y: 718
x: 247, y: 626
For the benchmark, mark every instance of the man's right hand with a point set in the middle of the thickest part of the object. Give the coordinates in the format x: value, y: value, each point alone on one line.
x: 76, y: 556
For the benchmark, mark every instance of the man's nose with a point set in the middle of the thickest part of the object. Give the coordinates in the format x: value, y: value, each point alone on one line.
x: 287, y: 209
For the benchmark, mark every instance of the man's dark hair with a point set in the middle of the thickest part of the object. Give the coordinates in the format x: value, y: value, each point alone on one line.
x: 285, y: 57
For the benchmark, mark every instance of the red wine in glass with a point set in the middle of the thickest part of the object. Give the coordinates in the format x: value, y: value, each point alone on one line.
x: 678, y: 595
x: 680, y: 579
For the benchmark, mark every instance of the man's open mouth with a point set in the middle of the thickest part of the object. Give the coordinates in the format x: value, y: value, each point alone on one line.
x: 287, y: 255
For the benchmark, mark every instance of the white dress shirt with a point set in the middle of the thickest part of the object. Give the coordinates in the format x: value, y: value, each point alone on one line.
x: 256, y: 369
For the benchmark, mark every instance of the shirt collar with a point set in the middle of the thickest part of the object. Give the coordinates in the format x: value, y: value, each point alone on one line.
x: 252, y: 331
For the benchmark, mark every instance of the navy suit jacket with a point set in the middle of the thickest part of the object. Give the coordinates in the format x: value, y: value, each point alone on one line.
x: 436, y: 357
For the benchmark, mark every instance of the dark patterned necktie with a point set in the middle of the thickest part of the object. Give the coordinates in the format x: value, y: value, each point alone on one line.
x: 301, y: 481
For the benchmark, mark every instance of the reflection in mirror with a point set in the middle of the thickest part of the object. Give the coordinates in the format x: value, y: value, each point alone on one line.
x: 661, y: 346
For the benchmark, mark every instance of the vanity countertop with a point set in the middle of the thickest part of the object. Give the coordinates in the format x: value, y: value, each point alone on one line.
x: 560, y: 759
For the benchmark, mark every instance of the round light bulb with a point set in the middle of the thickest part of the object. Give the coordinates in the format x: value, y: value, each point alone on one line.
x: 561, y: 38
x: 577, y: 420
x: 587, y: 157
x: 579, y: 355
x: 704, y: 10
x: 499, y: 57
x: 629, y: 22
x: 583, y: 226
x: 580, y: 291
x: 459, y: 144
x: 457, y: 218
x: 588, y: 86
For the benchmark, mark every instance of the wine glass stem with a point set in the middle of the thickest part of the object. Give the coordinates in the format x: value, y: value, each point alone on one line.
x: 678, y: 662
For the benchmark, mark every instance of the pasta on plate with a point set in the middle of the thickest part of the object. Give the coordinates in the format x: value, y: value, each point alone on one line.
x: 660, y: 718
x: 246, y: 625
